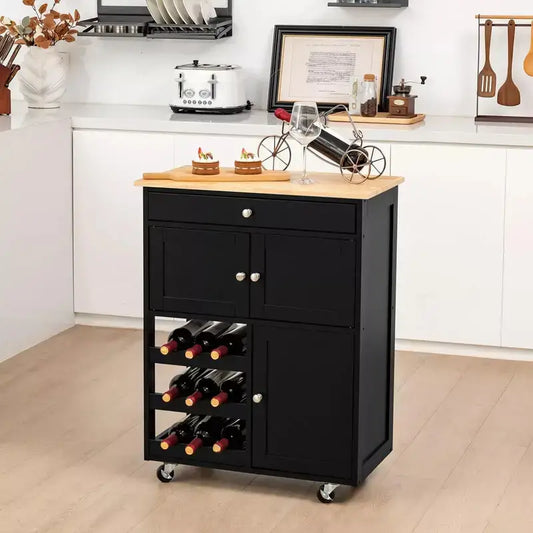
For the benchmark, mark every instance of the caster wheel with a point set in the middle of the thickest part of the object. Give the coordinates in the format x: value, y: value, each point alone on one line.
x: 324, y: 497
x: 163, y: 476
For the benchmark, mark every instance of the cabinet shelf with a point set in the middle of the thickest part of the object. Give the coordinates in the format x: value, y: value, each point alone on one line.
x: 381, y: 3
x: 229, y: 362
x: 176, y: 454
x: 203, y: 407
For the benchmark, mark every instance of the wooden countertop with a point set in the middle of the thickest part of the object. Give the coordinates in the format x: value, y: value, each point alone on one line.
x: 325, y: 186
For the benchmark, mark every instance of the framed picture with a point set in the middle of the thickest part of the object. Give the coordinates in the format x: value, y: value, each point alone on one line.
x: 317, y: 63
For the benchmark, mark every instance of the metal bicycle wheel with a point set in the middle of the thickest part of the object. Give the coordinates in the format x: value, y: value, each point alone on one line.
x: 359, y: 164
x: 275, y: 152
x: 353, y: 164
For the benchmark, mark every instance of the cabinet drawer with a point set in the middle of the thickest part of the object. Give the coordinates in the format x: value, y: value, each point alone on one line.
x: 282, y: 214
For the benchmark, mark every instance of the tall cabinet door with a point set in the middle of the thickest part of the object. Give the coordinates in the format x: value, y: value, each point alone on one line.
x: 195, y: 270
x: 304, y: 420
x: 303, y: 279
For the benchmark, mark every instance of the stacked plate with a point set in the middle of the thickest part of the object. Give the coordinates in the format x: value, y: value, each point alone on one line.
x: 181, y: 11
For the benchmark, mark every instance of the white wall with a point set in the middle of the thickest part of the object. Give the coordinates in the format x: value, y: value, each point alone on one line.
x: 435, y: 38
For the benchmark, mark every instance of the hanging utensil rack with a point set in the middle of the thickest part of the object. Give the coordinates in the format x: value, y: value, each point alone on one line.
x: 134, y: 21
x: 481, y: 19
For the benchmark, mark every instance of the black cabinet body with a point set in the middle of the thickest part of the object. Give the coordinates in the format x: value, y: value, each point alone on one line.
x: 314, y: 280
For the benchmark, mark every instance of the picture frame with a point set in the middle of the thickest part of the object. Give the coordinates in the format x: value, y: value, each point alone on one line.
x: 313, y: 63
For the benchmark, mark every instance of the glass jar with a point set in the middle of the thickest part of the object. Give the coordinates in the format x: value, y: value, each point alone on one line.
x: 354, y: 107
x: 368, y: 96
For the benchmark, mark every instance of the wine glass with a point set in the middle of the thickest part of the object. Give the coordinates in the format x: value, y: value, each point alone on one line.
x: 305, y: 128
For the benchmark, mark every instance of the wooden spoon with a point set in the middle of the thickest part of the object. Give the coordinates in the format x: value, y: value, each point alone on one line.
x: 509, y: 95
x: 528, y: 61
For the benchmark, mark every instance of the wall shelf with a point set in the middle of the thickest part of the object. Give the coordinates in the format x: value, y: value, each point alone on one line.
x: 381, y: 3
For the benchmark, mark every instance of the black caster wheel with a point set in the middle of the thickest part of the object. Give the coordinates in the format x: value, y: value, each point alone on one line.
x: 163, y: 476
x: 325, y: 497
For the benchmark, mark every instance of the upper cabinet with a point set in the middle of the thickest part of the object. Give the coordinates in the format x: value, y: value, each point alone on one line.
x: 450, y: 243
x: 517, y: 330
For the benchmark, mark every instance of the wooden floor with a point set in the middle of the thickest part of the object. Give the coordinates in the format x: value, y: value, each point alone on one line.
x: 71, y: 453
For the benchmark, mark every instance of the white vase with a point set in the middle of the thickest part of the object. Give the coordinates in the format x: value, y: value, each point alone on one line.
x: 43, y: 77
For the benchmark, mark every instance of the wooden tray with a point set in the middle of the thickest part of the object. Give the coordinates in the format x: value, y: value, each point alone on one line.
x: 226, y: 175
x: 380, y: 118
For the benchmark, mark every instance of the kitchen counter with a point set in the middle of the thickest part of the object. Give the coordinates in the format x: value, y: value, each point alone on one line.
x: 325, y: 186
x: 435, y: 129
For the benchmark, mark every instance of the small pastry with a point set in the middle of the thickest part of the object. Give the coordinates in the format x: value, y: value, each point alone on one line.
x: 248, y: 164
x: 205, y: 164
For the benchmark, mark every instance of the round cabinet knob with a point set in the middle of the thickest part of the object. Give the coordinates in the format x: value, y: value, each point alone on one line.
x: 247, y: 213
x: 255, y: 277
x: 257, y: 398
x: 240, y: 276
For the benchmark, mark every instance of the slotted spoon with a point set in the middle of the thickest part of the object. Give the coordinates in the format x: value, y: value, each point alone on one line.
x: 486, y: 83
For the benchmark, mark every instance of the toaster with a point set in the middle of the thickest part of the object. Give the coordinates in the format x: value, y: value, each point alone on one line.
x: 209, y: 89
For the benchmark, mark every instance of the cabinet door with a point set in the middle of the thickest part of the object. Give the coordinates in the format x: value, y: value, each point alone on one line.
x: 450, y: 243
x: 193, y: 270
x: 517, y: 331
x: 303, y: 279
x: 304, y: 422
x: 108, y: 211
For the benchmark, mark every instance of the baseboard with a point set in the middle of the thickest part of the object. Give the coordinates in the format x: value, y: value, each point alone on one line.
x: 469, y: 350
x: 125, y: 322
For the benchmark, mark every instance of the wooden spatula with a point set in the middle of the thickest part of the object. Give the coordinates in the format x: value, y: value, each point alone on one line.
x: 509, y: 95
x: 486, y: 82
x: 528, y: 61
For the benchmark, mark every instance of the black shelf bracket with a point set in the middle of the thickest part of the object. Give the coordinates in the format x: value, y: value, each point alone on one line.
x: 379, y: 3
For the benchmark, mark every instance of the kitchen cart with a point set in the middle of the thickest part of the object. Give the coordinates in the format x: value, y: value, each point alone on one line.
x: 311, y: 271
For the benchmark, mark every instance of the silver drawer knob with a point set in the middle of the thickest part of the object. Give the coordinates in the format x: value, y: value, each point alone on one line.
x: 257, y: 398
x: 255, y: 277
x: 247, y: 213
x: 240, y: 276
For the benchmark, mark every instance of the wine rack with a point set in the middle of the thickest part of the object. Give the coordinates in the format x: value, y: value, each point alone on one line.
x: 320, y: 326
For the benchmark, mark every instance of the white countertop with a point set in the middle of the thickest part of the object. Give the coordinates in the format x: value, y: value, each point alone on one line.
x: 435, y: 129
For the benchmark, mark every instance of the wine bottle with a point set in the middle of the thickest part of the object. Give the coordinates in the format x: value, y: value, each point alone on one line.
x: 207, y: 339
x: 206, y: 434
x: 233, y: 342
x: 232, y: 436
x: 183, y: 384
x: 183, y: 337
x: 231, y: 390
x: 330, y: 146
x: 181, y: 432
x: 209, y: 385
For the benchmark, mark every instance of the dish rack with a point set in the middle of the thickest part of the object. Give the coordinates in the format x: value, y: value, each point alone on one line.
x: 136, y: 21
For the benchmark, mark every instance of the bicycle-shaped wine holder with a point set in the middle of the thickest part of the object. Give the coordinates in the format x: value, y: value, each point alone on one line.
x: 357, y: 162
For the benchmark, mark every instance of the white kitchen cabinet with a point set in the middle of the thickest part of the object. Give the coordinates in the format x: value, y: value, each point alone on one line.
x: 450, y: 242
x: 35, y: 234
x: 108, y: 247
x: 517, y: 328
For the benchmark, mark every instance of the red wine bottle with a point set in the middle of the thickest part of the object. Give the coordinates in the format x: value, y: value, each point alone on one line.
x: 233, y: 342
x: 206, y: 434
x: 209, y: 385
x: 231, y: 390
x: 232, y: 436
x: 183, y: 337
x: 181, y: 432
x: 207, y: 339
x: 183, y: 384
x: 329, y: 145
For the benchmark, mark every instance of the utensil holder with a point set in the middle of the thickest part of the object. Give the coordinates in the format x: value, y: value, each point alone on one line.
x: 499, y: 21
x: 5, y: 101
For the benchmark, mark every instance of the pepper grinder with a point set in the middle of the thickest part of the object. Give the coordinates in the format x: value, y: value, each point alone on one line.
x: 402, y: 103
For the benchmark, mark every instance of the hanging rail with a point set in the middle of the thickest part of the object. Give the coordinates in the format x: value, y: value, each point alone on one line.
x: 505, y: 17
